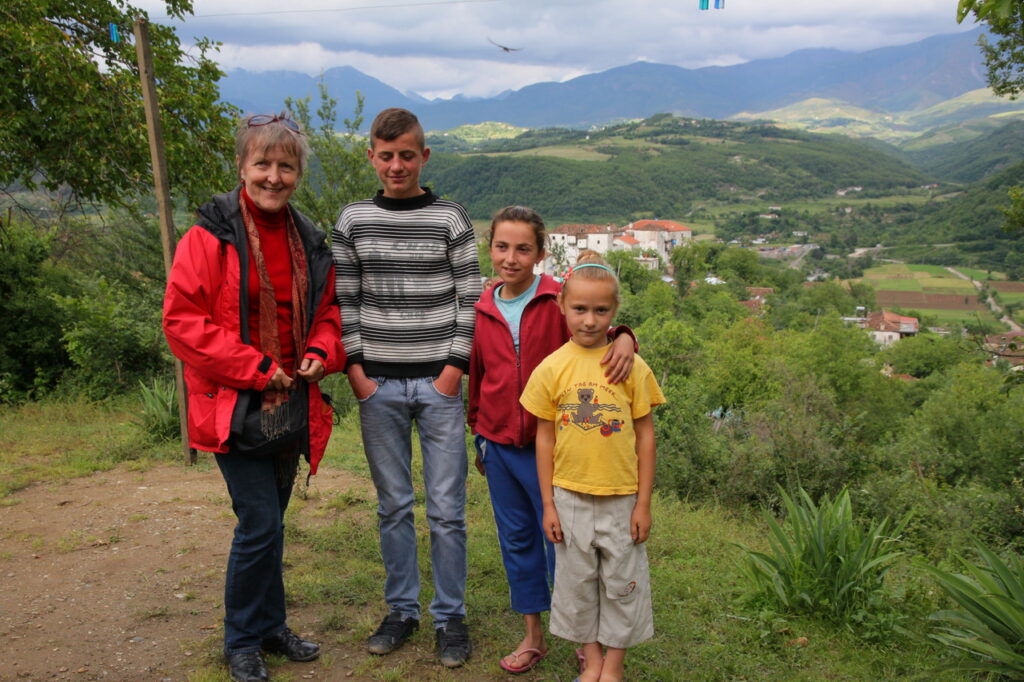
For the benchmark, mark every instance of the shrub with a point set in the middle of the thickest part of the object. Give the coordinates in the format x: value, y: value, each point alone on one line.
x: 31, y: 355
x: 112, y: 335
x: 159, y: 416
x: 823, y: 562
x: 989, y: 625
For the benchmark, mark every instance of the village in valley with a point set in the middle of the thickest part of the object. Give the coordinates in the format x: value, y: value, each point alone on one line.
x: 651, y: 242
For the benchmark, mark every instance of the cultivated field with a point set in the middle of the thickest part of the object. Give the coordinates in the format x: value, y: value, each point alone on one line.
x: 931, y: 290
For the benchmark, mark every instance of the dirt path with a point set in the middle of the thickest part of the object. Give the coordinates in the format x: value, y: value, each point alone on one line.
x: 996, y: 309
x: 119, y: 576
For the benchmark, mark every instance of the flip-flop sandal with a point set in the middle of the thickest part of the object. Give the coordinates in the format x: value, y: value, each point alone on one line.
x: 582, y: 660
x: 536, y: 656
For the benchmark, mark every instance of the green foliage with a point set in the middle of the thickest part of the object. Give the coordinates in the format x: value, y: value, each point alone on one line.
x: 968, y: 429
x: 989, y: 623
x: 736, y: 372
x: 338, y: 172
x: 633, y: 277
x: 112, y: 337
x: 662, y: 166
x: 1005, y: 59
x: 159, y: 414
x: 924, y: 354
x: 1015, y: 217
x: 823, y: 561
x: 72, y: 109
x: 31, y: 355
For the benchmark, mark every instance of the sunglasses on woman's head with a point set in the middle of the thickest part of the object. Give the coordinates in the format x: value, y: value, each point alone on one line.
x: 264, y: 119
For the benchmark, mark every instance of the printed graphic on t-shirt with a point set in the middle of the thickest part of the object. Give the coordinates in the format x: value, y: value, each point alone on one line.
x: 587, y: 412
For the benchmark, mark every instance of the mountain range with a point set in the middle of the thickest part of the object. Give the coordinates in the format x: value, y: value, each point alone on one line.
x: 888, y: 80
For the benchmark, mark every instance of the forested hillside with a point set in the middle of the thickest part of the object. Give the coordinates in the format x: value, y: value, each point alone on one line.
x: 659, y: 166
x: 974, y: 159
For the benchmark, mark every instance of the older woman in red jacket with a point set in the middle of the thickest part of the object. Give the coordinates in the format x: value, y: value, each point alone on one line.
x: 250, y: 310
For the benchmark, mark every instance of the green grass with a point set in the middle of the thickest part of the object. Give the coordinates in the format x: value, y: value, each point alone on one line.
x: 572, y: 152
x: 947, y: 317
x: 335, y: 577
x: 954, y: 284
x: 933, y: 270
x: 981, y: 275
x: 888, y: 271
x: 57, y: 440
x: 879, y: 284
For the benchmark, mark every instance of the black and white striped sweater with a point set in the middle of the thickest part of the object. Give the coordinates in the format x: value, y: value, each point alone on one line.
x: 407, y: 277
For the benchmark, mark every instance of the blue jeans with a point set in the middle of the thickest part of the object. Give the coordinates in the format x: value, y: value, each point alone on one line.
x: 519, y: 513
x: 254, y: 607
x: 386, y: 418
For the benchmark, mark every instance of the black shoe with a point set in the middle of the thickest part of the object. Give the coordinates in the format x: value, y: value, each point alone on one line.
x: 392, y: 633
x: 453, y: 643
x: 248, y: 666
x: 294, y: 648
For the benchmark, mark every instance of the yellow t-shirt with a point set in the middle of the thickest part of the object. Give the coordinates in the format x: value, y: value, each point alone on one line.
x: 595, y: 446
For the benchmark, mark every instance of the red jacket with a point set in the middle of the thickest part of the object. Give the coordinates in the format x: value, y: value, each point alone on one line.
x: 497, y: 376
x: 206, y: 310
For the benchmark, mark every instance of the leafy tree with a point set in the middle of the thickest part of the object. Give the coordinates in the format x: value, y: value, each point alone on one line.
x: 1005, y: 59
x: 31, y: 354
x: 634, y: 277
x: 741, y: 263
x: 338, y: 172
x: 1005, y: 63
x: 71, y: 103
x: 924, y: 354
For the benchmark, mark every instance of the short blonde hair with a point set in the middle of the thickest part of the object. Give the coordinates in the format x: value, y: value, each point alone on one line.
x: 275, y: 134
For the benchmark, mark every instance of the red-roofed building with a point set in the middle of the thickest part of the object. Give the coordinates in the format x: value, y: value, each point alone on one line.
x: 887, y: 327
x: 1008, y: 346
x: 577, y: 237
x: 660, y: 235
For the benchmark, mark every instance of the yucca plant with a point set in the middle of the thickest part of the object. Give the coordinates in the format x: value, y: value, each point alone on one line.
x: 822, y: 560
x: 159, y: 417
x: 989, y: 624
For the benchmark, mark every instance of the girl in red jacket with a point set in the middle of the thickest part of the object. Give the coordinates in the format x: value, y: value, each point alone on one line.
x: 518, y: 323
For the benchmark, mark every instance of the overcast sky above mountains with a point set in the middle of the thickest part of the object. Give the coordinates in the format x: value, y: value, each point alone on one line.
x: 441, y: 48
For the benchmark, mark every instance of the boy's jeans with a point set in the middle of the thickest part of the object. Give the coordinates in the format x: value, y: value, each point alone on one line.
x: 386, y: 418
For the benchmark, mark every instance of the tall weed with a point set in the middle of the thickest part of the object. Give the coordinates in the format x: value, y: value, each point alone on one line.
x: 989, y: 625
x: 823, y: 561
x: 159, y: 415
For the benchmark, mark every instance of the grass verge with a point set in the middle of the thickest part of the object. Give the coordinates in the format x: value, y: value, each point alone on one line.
x: 335, y: 579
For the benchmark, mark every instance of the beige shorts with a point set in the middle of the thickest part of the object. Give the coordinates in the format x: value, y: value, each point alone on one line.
x: 602, y: 587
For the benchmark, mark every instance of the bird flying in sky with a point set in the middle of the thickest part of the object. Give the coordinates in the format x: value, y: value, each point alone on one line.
x: 505, y: 49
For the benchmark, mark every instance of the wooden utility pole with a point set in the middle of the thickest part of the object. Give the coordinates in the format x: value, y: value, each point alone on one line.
x: 163, y: 197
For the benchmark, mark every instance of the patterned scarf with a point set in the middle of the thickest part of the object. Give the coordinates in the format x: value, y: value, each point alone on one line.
x: 270, y: 342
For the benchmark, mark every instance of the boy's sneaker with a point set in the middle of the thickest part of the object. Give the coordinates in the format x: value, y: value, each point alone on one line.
x: 453, y: 645
x: 391, y: 634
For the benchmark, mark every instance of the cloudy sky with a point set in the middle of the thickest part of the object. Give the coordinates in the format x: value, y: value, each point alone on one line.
x: 441, y: 48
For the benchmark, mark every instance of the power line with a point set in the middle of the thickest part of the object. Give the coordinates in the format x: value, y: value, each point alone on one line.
x: 340, y: 9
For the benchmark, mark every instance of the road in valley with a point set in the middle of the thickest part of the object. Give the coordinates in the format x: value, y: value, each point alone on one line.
x: 989, y: 301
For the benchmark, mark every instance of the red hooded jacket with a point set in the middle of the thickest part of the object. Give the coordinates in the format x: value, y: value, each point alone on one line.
x: 497, y: 375
x: 206, y: 315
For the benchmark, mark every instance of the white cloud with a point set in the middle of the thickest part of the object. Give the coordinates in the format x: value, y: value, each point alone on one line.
x: 430, y: 77
x: 439, y: 48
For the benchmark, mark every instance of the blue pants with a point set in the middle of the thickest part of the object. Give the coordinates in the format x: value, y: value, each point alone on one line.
x: 254, y: 607
x: 386, y: 419
x: 518, y: 512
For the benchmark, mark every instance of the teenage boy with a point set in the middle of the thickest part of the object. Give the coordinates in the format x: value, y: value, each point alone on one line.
x: 407, y: 279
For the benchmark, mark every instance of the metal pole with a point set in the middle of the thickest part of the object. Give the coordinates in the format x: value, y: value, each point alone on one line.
x: 163, y: 197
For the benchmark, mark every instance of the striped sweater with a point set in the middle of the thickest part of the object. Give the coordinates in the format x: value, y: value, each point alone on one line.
x: 407, y: 278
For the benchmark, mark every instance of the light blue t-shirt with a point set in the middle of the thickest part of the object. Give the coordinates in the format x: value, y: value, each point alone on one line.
x: 512, y: 308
